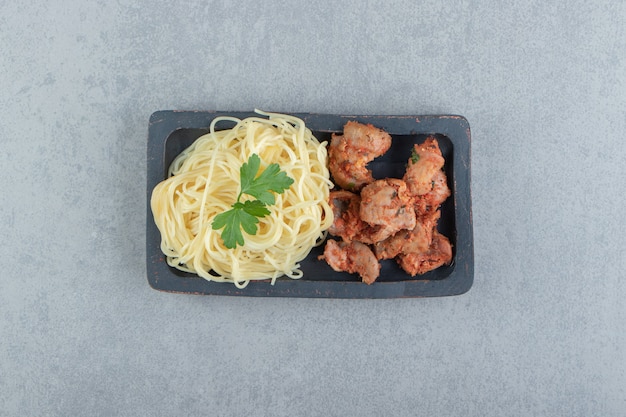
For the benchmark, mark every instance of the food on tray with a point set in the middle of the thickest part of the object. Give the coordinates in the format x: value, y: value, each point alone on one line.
x: 250, y: 202
x: 245, y: 203
x: 397, y: 217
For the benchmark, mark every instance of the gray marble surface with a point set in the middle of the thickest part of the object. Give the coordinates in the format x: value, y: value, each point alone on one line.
x: 541, y: 332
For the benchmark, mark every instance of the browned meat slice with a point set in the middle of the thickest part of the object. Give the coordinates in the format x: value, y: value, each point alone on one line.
x: 387, y: 204
x: 347, y: 223
x: 408, y: 241
x: 425, y: 161
x: 439, y: 253
x: 350, y: 153
x: 352, y: 257
x: 427, y: 203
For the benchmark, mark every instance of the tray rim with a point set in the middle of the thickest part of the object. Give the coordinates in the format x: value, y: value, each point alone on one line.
x: 163, y: 123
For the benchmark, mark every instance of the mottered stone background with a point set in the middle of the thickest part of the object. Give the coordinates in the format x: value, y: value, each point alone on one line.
x: 542, y: 330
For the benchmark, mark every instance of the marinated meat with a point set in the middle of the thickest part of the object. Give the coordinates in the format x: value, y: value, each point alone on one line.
x: 387, y: 204
x: 347, y: 223
x: 417, y: 263
x: 397, y: 217
x: 350, y: 153
x: 408, y: 241
x: 428, y: 203
x: 425, y: 161
x: 352, y: 257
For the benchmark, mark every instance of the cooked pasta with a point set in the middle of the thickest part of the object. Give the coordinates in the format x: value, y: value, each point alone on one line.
x: 203, y: 181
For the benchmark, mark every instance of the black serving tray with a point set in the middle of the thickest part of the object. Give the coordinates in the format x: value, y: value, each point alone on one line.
x: 170, y: 132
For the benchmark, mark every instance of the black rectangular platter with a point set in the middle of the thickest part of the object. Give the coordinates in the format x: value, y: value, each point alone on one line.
x: 170, y: 132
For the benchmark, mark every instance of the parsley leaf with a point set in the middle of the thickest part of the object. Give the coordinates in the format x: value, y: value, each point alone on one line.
x: 246, y: 215
x: 232, y: 221
x: 253, y: 207
x: 271, y: 179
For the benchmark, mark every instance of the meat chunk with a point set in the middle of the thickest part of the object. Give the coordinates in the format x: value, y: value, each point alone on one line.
x: 408, y: 241
x: 439, y: 253
x: 387, y: 204
x: 352, y: 257
x: 425, y: 161
x: 428, y: 203
x: 350, y: 153
x: 347, y: 223
x: 392, y: 246
x: 371, y: 234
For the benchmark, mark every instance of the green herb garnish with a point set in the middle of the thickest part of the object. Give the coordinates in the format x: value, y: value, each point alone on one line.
x: 245, y: 215
x: 414, y: 156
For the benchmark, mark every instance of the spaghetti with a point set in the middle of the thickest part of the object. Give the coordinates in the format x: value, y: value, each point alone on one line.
x: 203, y: 181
